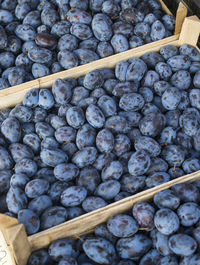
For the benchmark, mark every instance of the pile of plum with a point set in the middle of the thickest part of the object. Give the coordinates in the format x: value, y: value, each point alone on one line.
x: 165, y: 231
x: 42, y: 37
x: 101, y: 138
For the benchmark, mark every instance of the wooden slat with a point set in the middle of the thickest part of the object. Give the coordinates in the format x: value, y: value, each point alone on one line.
x: 12, y: 96
x: 165, y: 8
x: 6, y: 254
x: 6, y: 222
x: 19, y: 244
x: 190, y: 31
x: 180, y: 17
x: 88, y: 221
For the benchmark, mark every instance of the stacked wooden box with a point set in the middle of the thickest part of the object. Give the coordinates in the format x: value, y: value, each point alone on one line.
x: 15, y: 246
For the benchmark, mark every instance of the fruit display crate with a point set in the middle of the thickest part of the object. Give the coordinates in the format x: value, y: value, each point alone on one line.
x: 13, y: 95
x: 15, y: 245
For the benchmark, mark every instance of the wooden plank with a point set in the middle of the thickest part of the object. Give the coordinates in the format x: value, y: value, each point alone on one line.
x: 88, y: 221
x: 165, y: 8
x: 6, y: 222
x: 19, y: 243
x: 6, y: 255
x: 12, y: 96
x: 180, y: 17
x: 190, y: 31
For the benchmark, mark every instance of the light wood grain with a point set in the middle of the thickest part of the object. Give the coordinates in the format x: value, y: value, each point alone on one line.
x: 190, y: 31
x: 165, y: 8
x: 6, y: 222
x: 6, y: 254
x: 87, y: 222
x: 19, y: 244
x: 180, y: 17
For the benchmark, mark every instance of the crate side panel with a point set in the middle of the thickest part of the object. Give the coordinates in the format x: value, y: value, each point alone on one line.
x: 87, y: 222
x: 12, y: 96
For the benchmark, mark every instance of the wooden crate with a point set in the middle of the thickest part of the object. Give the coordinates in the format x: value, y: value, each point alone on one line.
x: 15, y: 246
x: 11, y: 96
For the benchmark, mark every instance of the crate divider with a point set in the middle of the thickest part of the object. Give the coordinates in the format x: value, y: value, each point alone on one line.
x: 11, y: 96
